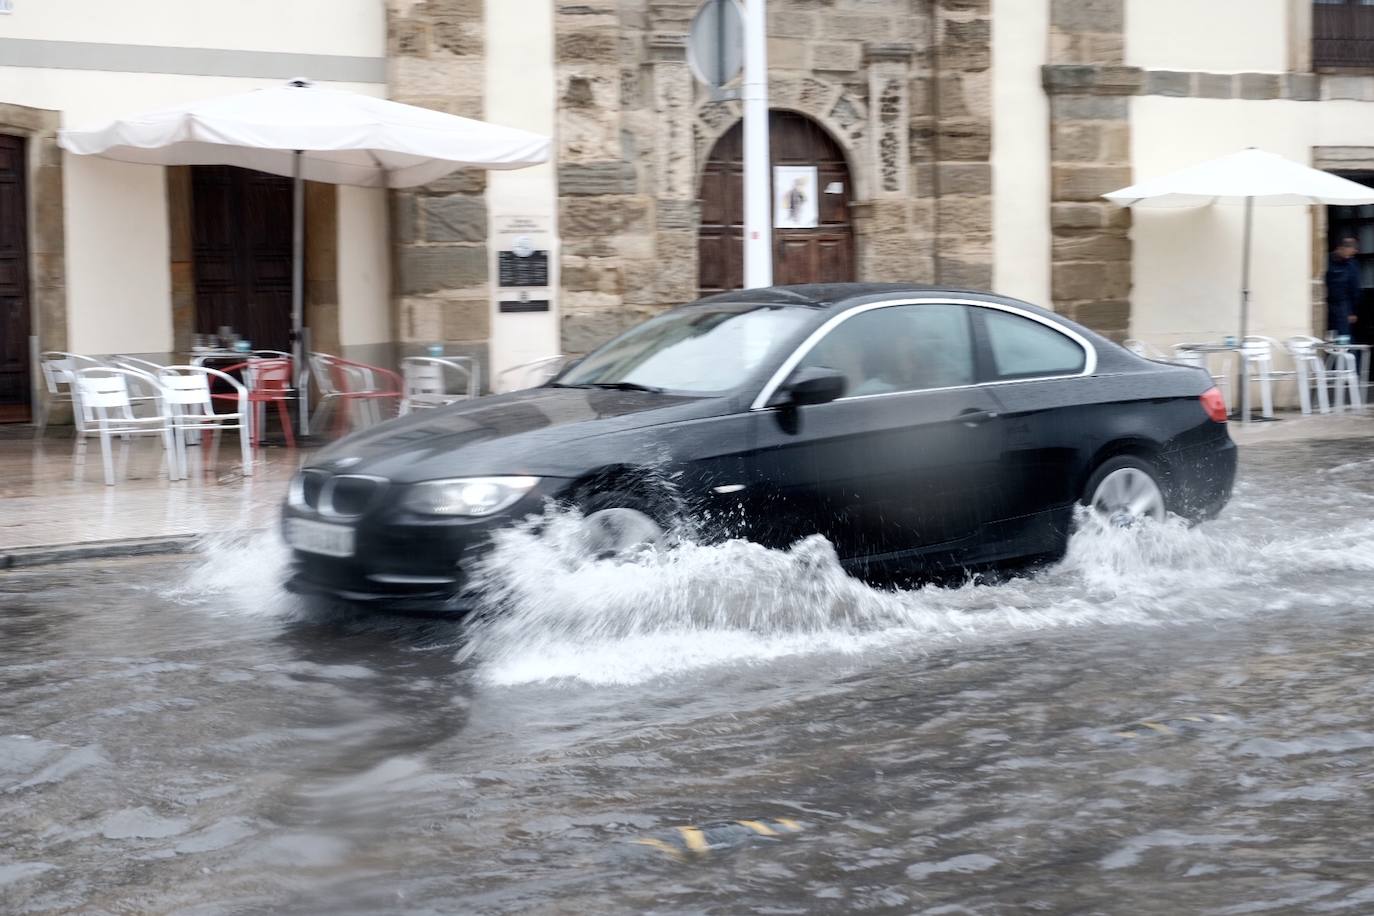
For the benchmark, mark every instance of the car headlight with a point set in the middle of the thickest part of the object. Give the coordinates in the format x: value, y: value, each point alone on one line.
x: 473, y: 497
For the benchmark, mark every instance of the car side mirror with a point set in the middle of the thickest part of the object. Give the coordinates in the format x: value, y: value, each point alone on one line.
x: 812, y: 385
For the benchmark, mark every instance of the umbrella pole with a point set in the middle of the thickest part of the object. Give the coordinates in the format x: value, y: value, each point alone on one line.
x: 298, y: 292
x: 1244, y: 387
x: 1245, y: 269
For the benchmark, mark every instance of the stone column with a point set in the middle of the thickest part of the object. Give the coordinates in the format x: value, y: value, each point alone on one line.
x: 602, y: 218
x: 890, y: 243
x: 1089, y: 88
x: 439, y: 231
x: 674, y: 262
x: 960, y: 176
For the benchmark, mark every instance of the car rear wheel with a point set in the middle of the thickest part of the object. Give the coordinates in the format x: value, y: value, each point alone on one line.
x: 619, y: 525
x: 1126, y: 490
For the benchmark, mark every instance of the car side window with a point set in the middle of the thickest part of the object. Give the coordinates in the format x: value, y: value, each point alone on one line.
x: 899, y: 348
x: 1024, y: 348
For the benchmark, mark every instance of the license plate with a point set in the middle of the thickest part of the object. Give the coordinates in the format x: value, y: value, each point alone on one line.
x: 319, y: 537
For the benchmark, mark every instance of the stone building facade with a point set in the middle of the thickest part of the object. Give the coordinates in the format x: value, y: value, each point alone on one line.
x: 902, y: 86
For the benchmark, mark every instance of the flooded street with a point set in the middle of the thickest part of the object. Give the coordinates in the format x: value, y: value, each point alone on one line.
x: 1170, y: 721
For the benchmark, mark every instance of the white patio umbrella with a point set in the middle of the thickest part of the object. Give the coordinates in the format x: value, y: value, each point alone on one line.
x: 1251, y: 177
x: 309, y: 133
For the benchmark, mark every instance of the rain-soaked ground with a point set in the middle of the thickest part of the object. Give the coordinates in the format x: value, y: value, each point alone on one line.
x: 1171, y: 721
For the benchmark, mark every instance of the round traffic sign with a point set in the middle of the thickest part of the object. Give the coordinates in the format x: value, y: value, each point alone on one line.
x: 715, y: 43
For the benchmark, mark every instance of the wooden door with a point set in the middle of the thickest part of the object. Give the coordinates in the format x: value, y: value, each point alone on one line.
x: 15, y: 390
x: 241, y: 246
x: 824, y: 254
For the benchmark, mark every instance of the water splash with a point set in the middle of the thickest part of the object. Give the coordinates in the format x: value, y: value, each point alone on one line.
x: 553, y: 614
x: 240, y: 573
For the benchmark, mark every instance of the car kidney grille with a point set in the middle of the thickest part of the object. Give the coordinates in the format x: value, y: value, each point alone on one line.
x: 353, y: 495
x: 312, y: 482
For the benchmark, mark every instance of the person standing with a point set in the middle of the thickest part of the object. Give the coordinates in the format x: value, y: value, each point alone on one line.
x: 1343, y: 288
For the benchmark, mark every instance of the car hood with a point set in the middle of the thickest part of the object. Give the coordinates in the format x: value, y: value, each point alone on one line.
x: 517, y: 433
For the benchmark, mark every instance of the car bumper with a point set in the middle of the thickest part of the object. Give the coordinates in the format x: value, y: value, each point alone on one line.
x: 404, y: 562
x: 1202, y: 478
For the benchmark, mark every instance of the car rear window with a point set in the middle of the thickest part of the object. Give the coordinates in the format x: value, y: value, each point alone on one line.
x: 1025, y: 348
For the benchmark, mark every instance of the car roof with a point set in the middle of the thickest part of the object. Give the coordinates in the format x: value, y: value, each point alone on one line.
x: 836, y: 297
x: 839, y: 295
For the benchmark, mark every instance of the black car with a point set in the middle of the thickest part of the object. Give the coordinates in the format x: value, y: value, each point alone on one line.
x: 919, y: 429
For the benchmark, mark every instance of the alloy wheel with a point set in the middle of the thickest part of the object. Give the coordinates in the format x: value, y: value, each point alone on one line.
x: 1127, y: 495
x: 615, y: 533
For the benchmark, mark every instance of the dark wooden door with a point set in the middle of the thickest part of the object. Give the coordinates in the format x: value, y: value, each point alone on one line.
x: 821, y: 255
x: 1342, y: 35
x: 241, y: 243
x: 15, y: 388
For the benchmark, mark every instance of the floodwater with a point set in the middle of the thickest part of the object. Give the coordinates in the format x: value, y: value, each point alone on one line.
x: 1170, y: 721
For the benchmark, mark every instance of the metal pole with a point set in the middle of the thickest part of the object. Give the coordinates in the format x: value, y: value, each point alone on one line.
x: 758, y: 179
x: 1245, y: 270
x: 298, y: 291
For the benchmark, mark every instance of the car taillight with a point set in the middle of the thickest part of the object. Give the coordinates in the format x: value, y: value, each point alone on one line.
x: 1214, y: 404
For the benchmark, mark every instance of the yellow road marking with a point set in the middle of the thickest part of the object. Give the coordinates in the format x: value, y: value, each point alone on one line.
x: 660, y: 846
x: 1193, y: 719
x: 758, y: 827
x: 1159, y: 727
x: 788, y: 823
x: 695, y: 839
x: 1126, y: 734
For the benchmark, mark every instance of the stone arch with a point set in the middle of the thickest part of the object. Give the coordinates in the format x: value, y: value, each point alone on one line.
x: 818, y: 250
x: 843, y: 115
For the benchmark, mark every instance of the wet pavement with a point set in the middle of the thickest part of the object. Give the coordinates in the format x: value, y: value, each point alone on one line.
x: 1170, y: 721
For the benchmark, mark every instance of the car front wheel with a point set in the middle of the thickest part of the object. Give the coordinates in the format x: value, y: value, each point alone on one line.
x: 619, y: 525
x: 1126, y: 490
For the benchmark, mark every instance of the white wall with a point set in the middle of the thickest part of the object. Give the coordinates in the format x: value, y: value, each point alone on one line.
x: 1212, y: 35
x: 344, y: 27
x: 364, y: 267
x: 1188, y: 262
x: 520, y: 93
x: 118, y: 281
x: 1020, y: 151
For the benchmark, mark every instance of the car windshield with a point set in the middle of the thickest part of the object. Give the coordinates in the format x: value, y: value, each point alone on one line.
x: 700, y: 350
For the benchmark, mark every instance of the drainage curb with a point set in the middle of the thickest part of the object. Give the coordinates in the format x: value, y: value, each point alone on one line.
x: 18, y: 557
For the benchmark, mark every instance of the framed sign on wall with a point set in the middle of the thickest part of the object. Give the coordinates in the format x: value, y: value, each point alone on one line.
x: 795, y: 197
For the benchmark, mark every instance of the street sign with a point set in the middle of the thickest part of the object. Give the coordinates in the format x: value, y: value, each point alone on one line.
x: 715, y: 44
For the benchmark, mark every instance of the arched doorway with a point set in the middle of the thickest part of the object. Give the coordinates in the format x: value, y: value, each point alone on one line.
x: 824, y: 254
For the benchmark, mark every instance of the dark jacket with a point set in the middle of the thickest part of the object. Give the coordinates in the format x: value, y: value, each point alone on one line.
x: 1342, y: 292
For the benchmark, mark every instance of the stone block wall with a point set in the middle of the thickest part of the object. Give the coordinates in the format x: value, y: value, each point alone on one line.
x: 1089, y: 88
x: 440, y: 282
x: 904, y: 86
x: 953, y: 141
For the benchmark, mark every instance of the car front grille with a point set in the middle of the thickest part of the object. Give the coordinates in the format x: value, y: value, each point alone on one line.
x: 338, y: 495
x: 351, y: 495
x: 311, y: 483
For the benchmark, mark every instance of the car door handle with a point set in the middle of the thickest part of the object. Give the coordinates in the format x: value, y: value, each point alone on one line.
x: 974, y: 417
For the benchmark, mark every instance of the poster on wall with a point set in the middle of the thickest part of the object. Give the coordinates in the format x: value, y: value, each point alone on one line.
x: 795, y: 197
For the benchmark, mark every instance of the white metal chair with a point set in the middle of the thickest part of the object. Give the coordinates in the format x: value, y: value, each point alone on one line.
x: 531, y: 374
x: 1257, y: 365
x: 1311, y: 372
x: 59, y: 376
x: 104, y: 409
x: 1188, y: 355
x: 1342, y: 370
x: 432, y: 381
x: 143, y: 391
x: 192, y: 410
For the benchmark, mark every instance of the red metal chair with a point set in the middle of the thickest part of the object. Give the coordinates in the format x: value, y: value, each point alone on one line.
x: 269, y: 381
x: 352, y: 389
